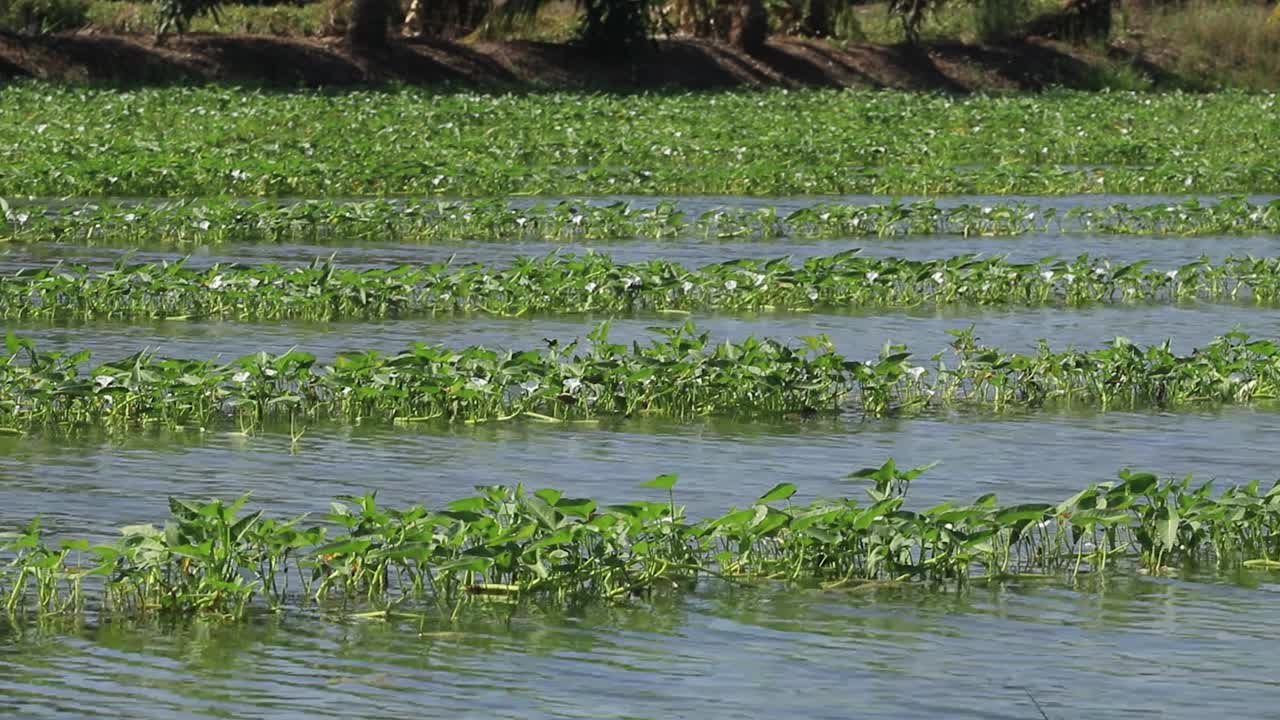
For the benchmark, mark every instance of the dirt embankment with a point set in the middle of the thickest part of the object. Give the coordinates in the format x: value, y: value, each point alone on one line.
x: 678, y: 63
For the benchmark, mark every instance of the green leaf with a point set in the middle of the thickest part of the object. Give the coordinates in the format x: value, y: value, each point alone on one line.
x: 541, y: 511
x: 471, y: 504
x: 1167, y: 521
x: 781, y: 491
x: 662, y: 482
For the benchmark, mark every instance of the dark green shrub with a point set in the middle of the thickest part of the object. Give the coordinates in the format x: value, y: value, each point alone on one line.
x: 42, y: 16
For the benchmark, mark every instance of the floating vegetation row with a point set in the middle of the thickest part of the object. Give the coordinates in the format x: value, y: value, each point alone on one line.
x: 681, y: 374
x: 506, y: 545
x: 183, y: 142
x: 594, y: 283
x: 209, y: 221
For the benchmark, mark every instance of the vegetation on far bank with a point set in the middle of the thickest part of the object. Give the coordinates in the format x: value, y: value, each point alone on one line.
x: 1130, y: 44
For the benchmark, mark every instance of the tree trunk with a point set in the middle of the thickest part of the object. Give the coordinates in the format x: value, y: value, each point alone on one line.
x: 369, y: 20
x: 750, y: 26
x: 1088, y: 19
x: 817, y: 21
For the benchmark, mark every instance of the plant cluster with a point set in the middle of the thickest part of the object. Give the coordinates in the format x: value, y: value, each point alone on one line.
x: 184, y: 142
x: 211, y: 221
x: 510, y: 546
x: 682, y: 374
x: 594, y: 283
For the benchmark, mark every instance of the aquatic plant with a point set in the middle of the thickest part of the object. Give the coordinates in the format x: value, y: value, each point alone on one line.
x: 183, y: 142
x: 213, y: 220
x: 567, y: 283
x: 511, y: 546
x: 681, y: 374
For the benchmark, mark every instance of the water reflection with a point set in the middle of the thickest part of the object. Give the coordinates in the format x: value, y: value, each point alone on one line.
x: 1128, y: 647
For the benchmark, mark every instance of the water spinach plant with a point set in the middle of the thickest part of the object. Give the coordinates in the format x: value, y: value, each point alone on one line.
x: 680, y: 374
x: 511, y: 546
x: 567, y: 283
x: 218, y: 220
x: 185, y: 142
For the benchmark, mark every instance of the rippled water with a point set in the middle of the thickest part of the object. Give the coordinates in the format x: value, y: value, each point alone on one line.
x: 1129, y: 646
x: 856, y: 335
x: 1164, y: 252
x: 1134, y: 648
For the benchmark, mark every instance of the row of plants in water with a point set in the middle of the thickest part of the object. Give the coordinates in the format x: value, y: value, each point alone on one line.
x: 594, y: 283
x: 679, y: 374
x: 183, y: 142
x: 511, y: 546
x: 217, y: 220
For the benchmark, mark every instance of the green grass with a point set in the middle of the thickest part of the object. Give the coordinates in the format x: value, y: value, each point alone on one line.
x: 310, y: 19
x: 177, y: 142
x: 1231, y: 43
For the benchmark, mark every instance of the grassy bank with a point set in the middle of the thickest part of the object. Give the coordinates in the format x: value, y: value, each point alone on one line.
x: 1200, y: 44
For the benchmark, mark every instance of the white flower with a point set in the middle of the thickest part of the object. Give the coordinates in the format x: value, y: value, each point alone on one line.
x: 22, y: 218
x: 103, y: 380
x: 216, y: 282
x: 576, y: 219
x: 730, y: 284
x: 1172, y: 274
x: 915, y: 372
x: 203, y: 224
x: 872, y: 275
x: 521, y: 221
x: 986, y: 210
x: 572, y: 385
x: 631, y: 282
x: 590, y: 287
x: 1047, y: 275
x: 939, y: 278
x: 686, y: 286
x: 529, y: 385
x: 130, y: 217
x: 477, y: 383
x: 240, y: 376
x: 1189, y: 181
x: 756, y: 278
x: 1069, y: 278
x: 1099, y: 271
x: 813, y: 294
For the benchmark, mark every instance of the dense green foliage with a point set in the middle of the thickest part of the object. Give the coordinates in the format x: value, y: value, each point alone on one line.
x: 219, y: 220
x: 681, y: 375
x: 176, y: 142
x: 594, y: 283
x: 509, y: 545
